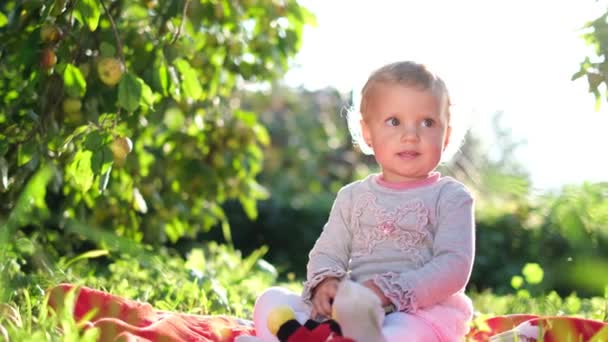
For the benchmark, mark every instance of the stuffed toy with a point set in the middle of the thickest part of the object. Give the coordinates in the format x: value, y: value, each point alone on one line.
x: 290, y: 330
x: 357, y: 317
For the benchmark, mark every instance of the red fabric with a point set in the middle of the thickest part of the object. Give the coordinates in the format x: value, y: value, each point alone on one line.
x: 554, y: 328
x: 321, y: 333
x: 495, y: 325
x: 121, y: 319
x: 558, y: 329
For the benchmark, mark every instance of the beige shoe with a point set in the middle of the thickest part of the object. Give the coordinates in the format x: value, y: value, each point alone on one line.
x: 359, y: 312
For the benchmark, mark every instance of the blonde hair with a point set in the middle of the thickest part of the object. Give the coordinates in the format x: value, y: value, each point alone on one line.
x: 407, y: 73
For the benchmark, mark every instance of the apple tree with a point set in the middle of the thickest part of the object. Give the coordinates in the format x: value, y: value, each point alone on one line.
x: 594, y: 67
x: 118, y: 117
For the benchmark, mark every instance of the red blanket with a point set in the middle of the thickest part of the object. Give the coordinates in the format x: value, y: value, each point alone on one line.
x: 545, y: 328
x: 121, y: 319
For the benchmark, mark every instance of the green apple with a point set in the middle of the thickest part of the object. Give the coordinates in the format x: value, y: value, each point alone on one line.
x: 72, y: 109
x: 71, y: 105
x: 110, y: 70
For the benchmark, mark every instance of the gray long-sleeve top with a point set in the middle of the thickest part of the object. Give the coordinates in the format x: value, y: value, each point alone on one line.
x: 415, y: 240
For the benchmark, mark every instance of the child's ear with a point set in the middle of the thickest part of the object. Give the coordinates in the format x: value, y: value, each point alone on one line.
x: 446, y: 141
x: 367, y: 137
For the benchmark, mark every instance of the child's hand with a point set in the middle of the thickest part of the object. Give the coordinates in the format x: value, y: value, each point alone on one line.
x: 323, y: 297
x: 375, y: 289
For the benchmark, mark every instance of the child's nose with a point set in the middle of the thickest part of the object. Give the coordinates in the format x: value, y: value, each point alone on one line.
x: 409, y: 133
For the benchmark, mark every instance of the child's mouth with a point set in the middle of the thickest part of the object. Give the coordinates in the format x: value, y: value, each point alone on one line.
x: 408, y: 154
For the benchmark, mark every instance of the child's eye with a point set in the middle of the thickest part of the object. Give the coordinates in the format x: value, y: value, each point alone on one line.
x: 428, y: 122
x: 392, y: 122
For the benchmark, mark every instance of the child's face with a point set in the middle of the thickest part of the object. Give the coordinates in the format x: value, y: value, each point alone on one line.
x: 406, y: 129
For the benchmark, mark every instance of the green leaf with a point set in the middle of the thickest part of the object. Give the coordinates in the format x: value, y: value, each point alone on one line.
x: 3, y: 145
x: 261, y: 134
x: 33, y: 196
x: 175, y: 229
x: 190, y: 83
x: 160, y: 75
x: 578, y: 74
x: 257, y: 191
x: 249, y: 118
x: 74, y: 82
x: 573, y: 303
x: 3, y: 20
x: 86, y: 255
x: 87, y: 12
x: 101, y: 162
x: 249, y: 205
x: 129, y: 92
x: 94, y: 140
x: 196, y: 260
x: 79, y: 171
x: 103, y: 237
x: 25, y: 245
x: 517, y: 282
x: 174, y: 119
x: 136, y: 11
x: 107, y: 50
x: 25, y: 152
x: 533, y: 273
x: 147, y: 97
x: 266, y: 267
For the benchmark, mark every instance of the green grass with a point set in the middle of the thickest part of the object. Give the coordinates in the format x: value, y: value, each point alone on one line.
x: 214, y: 279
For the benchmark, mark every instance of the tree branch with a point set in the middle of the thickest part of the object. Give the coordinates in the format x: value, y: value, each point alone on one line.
x: 182, y: 22
x: 115, y: 30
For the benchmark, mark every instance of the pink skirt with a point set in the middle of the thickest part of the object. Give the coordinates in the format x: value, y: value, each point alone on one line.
x: 447, y: 321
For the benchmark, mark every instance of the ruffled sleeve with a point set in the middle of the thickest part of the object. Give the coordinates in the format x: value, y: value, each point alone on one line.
x: 397, y: 290
x: 323, y: 273
x: 330, y: 255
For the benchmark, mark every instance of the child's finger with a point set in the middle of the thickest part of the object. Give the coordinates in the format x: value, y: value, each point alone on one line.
x: 326, y: 305
x: 331, y: 292
x: 317, y: 309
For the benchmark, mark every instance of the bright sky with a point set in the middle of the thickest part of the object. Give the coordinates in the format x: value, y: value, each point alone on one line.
x: 517, y: 56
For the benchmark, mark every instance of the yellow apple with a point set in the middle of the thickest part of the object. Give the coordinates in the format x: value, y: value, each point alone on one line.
x: 121, y: 147
x: 110, y: 70
x: 151, y: 4
x: 50, y: 33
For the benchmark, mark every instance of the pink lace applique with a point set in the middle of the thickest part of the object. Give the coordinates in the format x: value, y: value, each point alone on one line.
x: 398, y: 293
x: 321, y: 274
x: 404, y: 226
